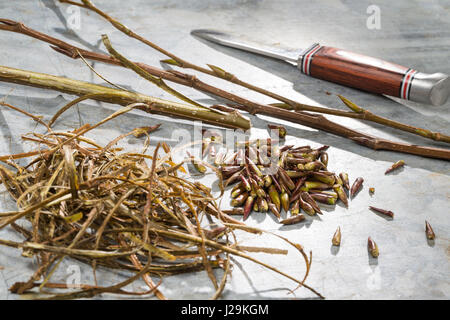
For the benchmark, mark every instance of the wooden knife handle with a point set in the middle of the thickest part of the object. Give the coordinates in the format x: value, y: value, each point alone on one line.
x: 357, y: 71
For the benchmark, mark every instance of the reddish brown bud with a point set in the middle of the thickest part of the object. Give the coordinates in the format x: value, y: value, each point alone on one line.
x: 341, y: 194
x: 307, y: 197
x: 286, y: 179
x: 285, y: 201
x: 248, y: 206
x: 307, y: 207
x: 382, y: 211
x: 295, y: 208
x: 344, y: 177
x: 237, y: 192
x: 275, y: 197
x: 239, y: 200
x: 324, y: 158
x: 429, y: 231
x: 373, y: 248
x: 245, y: 183
x: 356, y: 186
x: 325, y: 178
x: 323, y: 198
x: 395, y: 166
x: 262, y: 205
x: 295, y: 219
x: 336, y: 241
x: 267, y: 181
x: 274, y: 210
x: 281, y: 130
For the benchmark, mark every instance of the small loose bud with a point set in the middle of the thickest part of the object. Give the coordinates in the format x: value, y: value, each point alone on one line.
x: 326, y: 192
x: 257, y: 189
x: 324, y: 158
x: 307, y: 197
x: 281, y: 130
x: 258, y: 180
x: 341, y: 194
x: 295, y: 208
x: 199, y: 167
x: 311, y: 156
x: 373, y: 248
x: 232, y: 178
x: 273, y: 208
x: 237, y: 186
x: 315, y: 185
x: 339, y: 180
x: 237, y: 192
x: 325, y: 178
x: 245, y: 183
x: 356, y: 186
x: 314, y: 165
x: 285, y: 201
x: 254, y: 167
x: 275, y: 197
x: 294, y: 174
x: 382, y: 211
x: 239, y: 200
x: 295, y: 219
x: 395, y: 166
x: 429, y: 231
x: 262, y: 205
x: 323, y: 148
x: 344, y: 177
x: 307, y: 207
x: 228, y: 171
x: 248, y: 206
x: 323, y: 198
x: 336, y: 241
x: 286, y: 179
x: 267, y: 181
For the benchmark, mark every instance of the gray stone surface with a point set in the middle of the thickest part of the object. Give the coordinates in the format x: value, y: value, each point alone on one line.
x: 413, y: 33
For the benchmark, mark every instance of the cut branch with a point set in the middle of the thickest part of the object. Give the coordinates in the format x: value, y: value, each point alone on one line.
x: 318, y: 121
x: 191, y: 81
x: 307, y: 119
x: 154, y: 105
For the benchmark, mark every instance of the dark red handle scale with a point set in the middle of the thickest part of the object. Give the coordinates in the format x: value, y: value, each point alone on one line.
x: 357, y: 71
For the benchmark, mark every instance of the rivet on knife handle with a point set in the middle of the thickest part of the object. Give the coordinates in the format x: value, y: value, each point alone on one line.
x: 373, y: 75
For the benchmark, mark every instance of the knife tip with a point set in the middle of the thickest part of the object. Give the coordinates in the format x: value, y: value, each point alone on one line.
x: 204, y: 32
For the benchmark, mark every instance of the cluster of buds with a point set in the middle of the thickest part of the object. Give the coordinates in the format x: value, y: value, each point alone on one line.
x: 297, y: 183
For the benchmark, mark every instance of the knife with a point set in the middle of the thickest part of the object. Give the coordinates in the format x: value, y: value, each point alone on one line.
x: 348, y: 68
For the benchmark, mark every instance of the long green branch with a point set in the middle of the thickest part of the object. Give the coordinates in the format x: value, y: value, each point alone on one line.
x: 153, y: 105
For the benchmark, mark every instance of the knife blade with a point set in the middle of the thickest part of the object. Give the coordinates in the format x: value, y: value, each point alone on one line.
x: 347, y: 68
